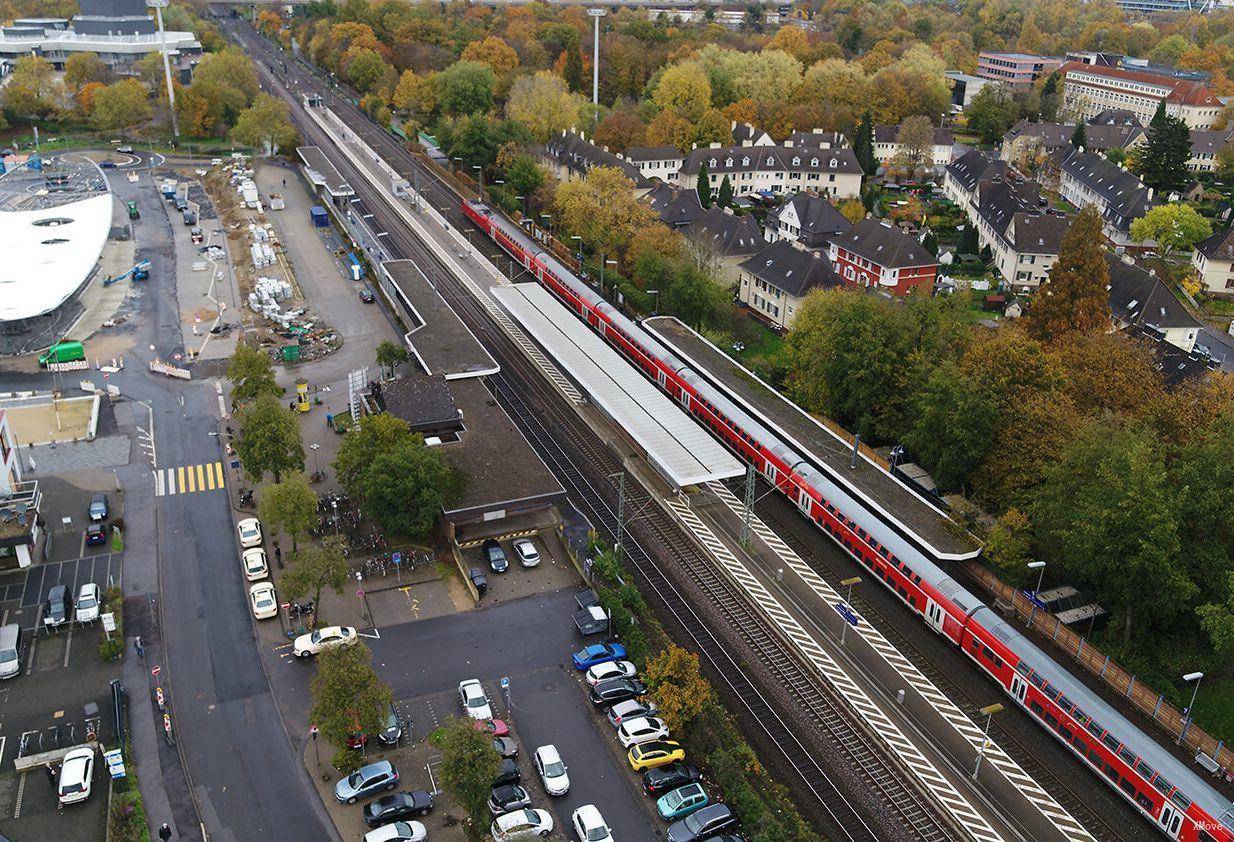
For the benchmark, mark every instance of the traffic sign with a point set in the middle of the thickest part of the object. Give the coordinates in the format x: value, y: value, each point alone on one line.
x: 397, y: 558
x: 154, y: 671
x: 360, y: 592
x: 847, y: 613
x: 286, y: 606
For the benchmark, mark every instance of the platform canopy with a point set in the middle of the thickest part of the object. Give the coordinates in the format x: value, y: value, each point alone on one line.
x: 679, y: 448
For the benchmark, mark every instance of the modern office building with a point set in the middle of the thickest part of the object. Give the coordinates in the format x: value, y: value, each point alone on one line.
x: 120, y: 31
x: 1019, y: 71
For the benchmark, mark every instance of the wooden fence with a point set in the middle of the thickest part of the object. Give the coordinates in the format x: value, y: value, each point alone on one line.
x: 1146, y: 700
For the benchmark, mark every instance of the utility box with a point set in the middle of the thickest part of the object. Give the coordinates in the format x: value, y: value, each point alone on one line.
x: 276, y: 201
x: 320, y: 218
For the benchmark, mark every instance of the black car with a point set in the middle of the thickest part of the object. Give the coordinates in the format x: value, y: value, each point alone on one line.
x: 710, y: 821
x: 96, y: 534
x: 617, y: 690
x: 477, y: 578
x: 366, y: 295
x: 59, y: 604
x: 508, y: 774
x: 399, y: 805
x: 505, y: 746
x: 496, y: 556
x: 392, y: 731
x: 508, y: 797
x: 662, y: 779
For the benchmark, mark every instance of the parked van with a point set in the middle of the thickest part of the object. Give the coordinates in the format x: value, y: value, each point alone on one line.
x: 63, y: 352
x: 10, y: 650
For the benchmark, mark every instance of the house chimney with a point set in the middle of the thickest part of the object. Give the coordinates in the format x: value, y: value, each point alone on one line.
x: 1150, y: 194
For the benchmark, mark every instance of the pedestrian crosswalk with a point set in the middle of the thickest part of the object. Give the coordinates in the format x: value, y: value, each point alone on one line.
x: 188, y: 479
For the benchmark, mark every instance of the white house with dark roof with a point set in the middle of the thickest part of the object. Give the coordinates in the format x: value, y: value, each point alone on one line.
x: 570, y: 155
x: 774, y: 282
x: 805, y: 218
x: 662, y: 162
x: 1213, y: 258
x: 776, y: 170
x: 1089, y: 179
x: 961, y: 177
x: 819, y: 139
x: 677, y: 208
x: 730, y: 237
x: 1139, y: 299
x: 887, y: 146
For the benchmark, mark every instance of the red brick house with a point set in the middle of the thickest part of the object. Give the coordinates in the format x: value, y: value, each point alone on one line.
x: 876, y: 253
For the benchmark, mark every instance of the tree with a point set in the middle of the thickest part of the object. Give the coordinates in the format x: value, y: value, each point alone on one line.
x: 1162, y: 160
x: 33, y: 90
x: 265, y: 125
x: 544, y: 104
x: 619, y: 131
x: 269, y: 439
x: 415, y: 94
x: 82, y: 68
x: 930, y: 243
x: 1051, y: 98
x: 366, y: 69
x: 703, y: 185
x: 712, y: 127
x: 524, y: 175
x: 466, y: 87
x: 1175, y: 227
x: 251, y: 374
x: 226, y: 68
x: 492, y: 51
x: 684, y: 89
x: 668, y: 129
x: 863, y: 145
x: 1079, y: 137
x: 193, y: 111
x: 853, y: 210
x: 602, y: 209
x: 677, y: 683
x: 1116, y: 155
x: 573, y: 71
x: 120, y: 105
x: 1074, y: 298
x: 290, y: 506
x: 991, y: 113
x: 390, y: 355
x: 954, y: 426
x: 916, y: 140
x: 1217, y: 621
x: 968, y: 240
x: 348, y: 698
x: 468, y: 765
x: 1009, y: 544
x: 724, y: 196
x: 316, y: 568
x: 374, y: 434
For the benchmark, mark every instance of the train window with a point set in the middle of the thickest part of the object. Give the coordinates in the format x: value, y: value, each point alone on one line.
x: 1204, y: 835
x: 1050, y: 690
x: 1037, y: 680
x: 1111, y: 772
x: 1079, y: 716
x: 1094, y: 758
x: 1062, y: 729
x: 860, y: 531
x: 1035, y: 707
x: 1127, y: 756
x: 916, y: 579
x: 1050, y: 720
x: 1065, y: 703
x: 1181, y: 801
x: 1144, y: 801
x: 1021, y: 668
x: 1145, y: 770
x: 1163, y: 786
x: 882, y: 551
x: 988, y: 652
x: 1109, y: 740
x: 998, y: 663
x: 1095, y: 729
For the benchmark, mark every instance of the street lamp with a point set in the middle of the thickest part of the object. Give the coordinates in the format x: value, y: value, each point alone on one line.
x: 549, y: 217
x: 655, y: 310
x: 604, y: 263
x: 1040, y: 566
x: 989, y: 711
x: 580, y: 247
x: 479, y: 177
x: 1190, y: 714
x: 848, y: 601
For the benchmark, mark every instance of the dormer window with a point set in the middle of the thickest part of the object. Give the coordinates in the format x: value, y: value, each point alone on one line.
x: 745, y: 162
x: 728, y: 162
x: 796, y: 162
x: 833, y: 163
x: 713, y: 162
x: 814, y: 162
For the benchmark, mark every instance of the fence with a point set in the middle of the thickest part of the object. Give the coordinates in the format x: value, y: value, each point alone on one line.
x: 1151, y: 704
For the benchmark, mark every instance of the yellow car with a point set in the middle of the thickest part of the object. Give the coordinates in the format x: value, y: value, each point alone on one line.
x: 655, y: 753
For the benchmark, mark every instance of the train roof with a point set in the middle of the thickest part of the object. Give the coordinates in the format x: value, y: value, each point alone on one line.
x: 1147, y: 749
x: 881, y: 491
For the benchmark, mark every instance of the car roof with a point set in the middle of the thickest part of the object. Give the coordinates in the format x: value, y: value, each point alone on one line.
x: 57, y: 590
x: 88, y: 586
x: 548, y: 753
x: 376, y: 766
x: 590, y: 814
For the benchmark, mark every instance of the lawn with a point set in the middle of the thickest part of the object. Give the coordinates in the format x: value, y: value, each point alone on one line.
x: 1217, y: 306
x: 759, y: 345
x: 1214, y: 707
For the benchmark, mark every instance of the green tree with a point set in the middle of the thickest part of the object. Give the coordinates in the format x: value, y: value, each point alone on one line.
x: 573, y: 70
x: 863, y: 144
x: 1074, y: 298
x: 954, y: 427
x: 1051, y: 98
x: 466, y: 87
x: 374, y: 434
x: 930, y: 243
x: 1079, y: 137
x: 348, y: 697
x: 120, y: 105
x: 290, y: 506
x: 1217, y: 621
x: 81, y: 68
x: 968, y: 240
x: 703, y: 186
x: 265, y: 125
x: 1175, y: 227
x: 251, y: 374
x: 1009, y: 544
x: 524, y: 175
x: 366, y: 69
x: 724, y: 196
x: 33, y: 90
x: 390, y: 355
x: 544, y: 104
x: 684, y: 89
x: 269, y: 439
x: 1225, y: 163
x: 991, y: 113
x: 314, y: 569
x: 1162, y: 160
x: 468, y: 765
x: 1116, y: 155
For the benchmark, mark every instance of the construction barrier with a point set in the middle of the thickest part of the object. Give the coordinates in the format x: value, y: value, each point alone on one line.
x: 170, y: 370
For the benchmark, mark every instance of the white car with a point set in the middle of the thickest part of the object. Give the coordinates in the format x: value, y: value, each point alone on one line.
x: 265, y: 603
x: 610, y: 669
x: 125, y: 149
x: 398, y: 832
x: 528, y: 555
x: 521, y: 824
x: 471, y: 694
x: 589, y: 825
x: 641, y: 729
x: 255, y: 565
x: 324, y: 638
x: 88, y: 600
x: 76, y: 776
x: 250, y: 532
x: 552, y: 770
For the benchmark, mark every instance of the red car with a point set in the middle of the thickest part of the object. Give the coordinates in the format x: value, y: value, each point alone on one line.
x: 494, y: 726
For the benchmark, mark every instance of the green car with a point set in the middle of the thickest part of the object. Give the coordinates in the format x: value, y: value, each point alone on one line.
x: 682, y: 801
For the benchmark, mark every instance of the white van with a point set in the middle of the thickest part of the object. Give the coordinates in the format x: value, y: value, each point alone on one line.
x: 10, y: 650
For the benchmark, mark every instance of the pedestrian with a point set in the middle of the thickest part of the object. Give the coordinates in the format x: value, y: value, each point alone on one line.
x: 291, y: 405
x: 51, y: 774
x: 284, y: 182
x: 141, y: 649
x: 165, y: 832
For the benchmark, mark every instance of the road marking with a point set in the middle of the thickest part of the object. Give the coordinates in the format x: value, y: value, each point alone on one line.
x: 34, y: 641
x: 187, y: 479
x: 3, y: 740
x: 21, y: 792
x: 180, y: 474
x: 192, y: 484
x: 158, y: 484
x: 218, y: 472
x: 200, y: 484
x: 68, y: 646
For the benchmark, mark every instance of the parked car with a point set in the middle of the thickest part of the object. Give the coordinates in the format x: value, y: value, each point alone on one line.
x: 471, y: 694
x: 598, y: 653
x: 505, y: 746
x: 589, y: 825
x: 496, y: 727
x: 702, y: 824
x: 398, y: 832
x: 255, y: 565
x: 520, y: 824
x: 681, y: 801
x: 508, y: 797
x: 477, y: 578
x: 528, y: 555
x: 108, y: 164
x: 508, y: 773
x: 56, y: 609
x: 392, y: 731
x: 323, y: 638
x: 98, y: 507
x: 655, y: 753
x: 630, y: 708
x: 641, y: 729
x: 591, y: 620
x: 617, y: 690
x: 495, y: 556
x: 610, y: 670
x: 265, y: 602
x: 400, y: 805
x: 663, y: 779
x: 76, y: 776
x: 88, y: 600
x: 96, y: 534
x: 552, y: 770
x: 128, y: 150
x: 250, y: 532
x: 366, y: 295
x: 365, y: 781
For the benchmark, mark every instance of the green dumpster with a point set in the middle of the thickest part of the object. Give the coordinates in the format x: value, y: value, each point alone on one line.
x: 291, y: 353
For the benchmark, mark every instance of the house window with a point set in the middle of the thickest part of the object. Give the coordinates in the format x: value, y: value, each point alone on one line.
x: 814, y: 162
x: 796, y: 162
x: 833, y: 163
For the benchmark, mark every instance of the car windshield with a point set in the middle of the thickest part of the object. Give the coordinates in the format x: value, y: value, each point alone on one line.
x: 597, y: 833
x: 476, y: 701
x: 315, y: 637
x: 554, y: 770
x: 68, y: 789
x: 87, y: 602
x: 7, y: 656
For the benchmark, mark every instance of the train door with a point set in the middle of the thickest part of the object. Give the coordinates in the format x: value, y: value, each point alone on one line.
x: 685, y: 398
x: 1171, y: 820
x: 769, y: 470
x: 1019, y: 687
x: 660, y: 378
x: 803, y: 501
x: 934, y: 615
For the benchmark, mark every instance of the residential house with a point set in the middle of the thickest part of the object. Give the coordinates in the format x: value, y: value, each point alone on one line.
x: 819, y: 139
x: 1213, y: 258
x: 1089, y: 90
x: 1139, y: 299
x: 887, y: 146
x: 805, y: 218
x: 1205, y: 144
x: 746, y: 134
x: 961, y: 177
x: 775, y: 169
x: 729, y: 237
x: 874, y: 253
x: 774, y: 282
x: 676, y: 208
x: 1025, y: 137
x: 1089, y: 179
x: 662, y: 162
x: 1115, y: 117
x: 1023, y: 241
x: 1018, y: 71
x: 570, y: 155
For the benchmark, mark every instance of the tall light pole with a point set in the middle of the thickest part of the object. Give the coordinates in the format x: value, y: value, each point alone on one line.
x: 1190, y: 717
x: 989, y: 711
x: 595, y: 61
x: 848, y: 603
x: 158, y: 5
x: 1036, y: 565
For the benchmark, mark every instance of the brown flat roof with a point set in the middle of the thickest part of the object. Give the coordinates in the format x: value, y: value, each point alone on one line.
x: 928, y: 523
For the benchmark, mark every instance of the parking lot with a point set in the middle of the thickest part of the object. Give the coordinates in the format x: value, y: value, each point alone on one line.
x: 554, y: 571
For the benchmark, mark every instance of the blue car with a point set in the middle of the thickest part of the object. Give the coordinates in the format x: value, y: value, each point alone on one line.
x: 682, y: 801
x: 598, y: 653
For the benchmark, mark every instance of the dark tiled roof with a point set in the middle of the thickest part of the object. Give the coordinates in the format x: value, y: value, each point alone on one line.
x: 1101, y: 138
x: 675, y: 206
x: 1051, y: 135
x: 972, y: 166
x: 744, y: 133
x: 580, y: 155
x: 791, y: 269
x: 1115, y: 117
x: 1039, y: 233
x: 998, y: 200
x: 730, y: 159
x: 653, y: 153
x: 727, y: 234
x: 884, y: 244
x: 1141, y: 299
x: 1123, y: 193
x: 817, y: 218
x: 818, y: 139
x: 1097, y: 137
x: 1219, y: 246
x: 1209, y: 141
